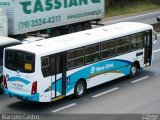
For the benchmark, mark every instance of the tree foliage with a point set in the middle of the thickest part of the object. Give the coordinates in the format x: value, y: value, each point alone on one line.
x: 123, y: 2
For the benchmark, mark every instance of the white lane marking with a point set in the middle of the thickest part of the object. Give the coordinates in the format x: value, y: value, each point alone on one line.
x: 108, y: 91
x: 140, y: 79
x: 132, y: 17
x: 65, y: 107
x: 156, y: 51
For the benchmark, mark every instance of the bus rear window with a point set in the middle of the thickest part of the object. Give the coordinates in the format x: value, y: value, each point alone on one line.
x: 18, y: 60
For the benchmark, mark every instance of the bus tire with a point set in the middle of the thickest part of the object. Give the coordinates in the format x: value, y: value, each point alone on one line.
x: 133, y: 70
x: 79, y: 89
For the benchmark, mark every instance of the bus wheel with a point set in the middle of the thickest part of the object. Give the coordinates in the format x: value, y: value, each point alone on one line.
x: 133, y: 70
x: 79, y: 89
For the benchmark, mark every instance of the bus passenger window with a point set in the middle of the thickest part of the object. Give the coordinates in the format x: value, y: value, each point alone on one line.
x: 108, y: 49
x: 92, y: 53
x: 45, y: 66
x: 45, y: 62
x: 137, y: 41
x: 75, y: 58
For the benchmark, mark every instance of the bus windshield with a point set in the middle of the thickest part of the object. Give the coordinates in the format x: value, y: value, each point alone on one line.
x: 18, y: 60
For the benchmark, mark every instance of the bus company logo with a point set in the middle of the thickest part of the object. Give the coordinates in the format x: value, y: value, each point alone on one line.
x: 93, y: 70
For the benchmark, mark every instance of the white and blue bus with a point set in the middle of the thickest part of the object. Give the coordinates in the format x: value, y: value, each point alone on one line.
x: 5, y: 42
x: 53, y: 68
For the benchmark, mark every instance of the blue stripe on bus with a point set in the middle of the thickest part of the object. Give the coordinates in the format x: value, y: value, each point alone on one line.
x: 12, y: 79
x: 58, y: 86
x: 121, y: 66
x: 100, y: 67
x: 34, y: 97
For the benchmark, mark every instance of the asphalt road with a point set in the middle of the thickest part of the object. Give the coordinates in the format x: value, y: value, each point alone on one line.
x: 149, y: 17
x: 134, y: 97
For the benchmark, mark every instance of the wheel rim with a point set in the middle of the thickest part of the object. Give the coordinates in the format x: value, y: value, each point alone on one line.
x: 133, y: 70
x: 80, y: 89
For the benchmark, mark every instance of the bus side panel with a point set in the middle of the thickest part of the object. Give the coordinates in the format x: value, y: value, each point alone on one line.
x: 99, y: 73
x: 44, y: 83
x: 103, y: 71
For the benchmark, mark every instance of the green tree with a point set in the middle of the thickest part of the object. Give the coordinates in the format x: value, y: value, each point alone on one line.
x: 107, y: 2
x: 156, y: 1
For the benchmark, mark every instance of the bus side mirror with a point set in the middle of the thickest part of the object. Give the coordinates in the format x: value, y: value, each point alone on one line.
x: 155, y: 37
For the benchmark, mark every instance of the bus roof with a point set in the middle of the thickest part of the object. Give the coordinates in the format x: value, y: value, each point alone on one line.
x: 83, y: 38
x: 7, y: 40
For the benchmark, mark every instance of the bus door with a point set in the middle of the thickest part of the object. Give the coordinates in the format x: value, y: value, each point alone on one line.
x: 58, y: 79
x: 147, y: 47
